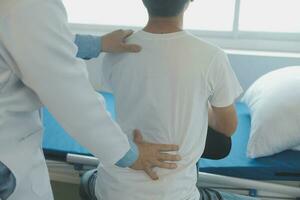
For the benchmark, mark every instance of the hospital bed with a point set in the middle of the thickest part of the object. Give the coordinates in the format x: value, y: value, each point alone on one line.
x: 274, y: 177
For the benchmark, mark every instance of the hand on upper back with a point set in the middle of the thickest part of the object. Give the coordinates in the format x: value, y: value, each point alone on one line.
x: 114, y: 42
x: 223, y: 119
x: 154, y: 155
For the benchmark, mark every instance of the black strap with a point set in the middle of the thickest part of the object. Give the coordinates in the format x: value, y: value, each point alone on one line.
x: 217, y: 145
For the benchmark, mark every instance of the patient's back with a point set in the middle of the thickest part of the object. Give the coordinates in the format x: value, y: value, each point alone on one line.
x: 163, y: 91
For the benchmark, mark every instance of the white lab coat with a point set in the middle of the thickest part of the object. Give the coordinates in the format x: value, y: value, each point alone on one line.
x: 38, y: 67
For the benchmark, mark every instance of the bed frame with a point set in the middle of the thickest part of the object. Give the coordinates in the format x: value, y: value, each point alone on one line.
x: 71, y: 170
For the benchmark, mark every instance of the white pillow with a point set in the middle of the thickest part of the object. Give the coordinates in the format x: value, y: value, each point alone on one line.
x: 274, y: 102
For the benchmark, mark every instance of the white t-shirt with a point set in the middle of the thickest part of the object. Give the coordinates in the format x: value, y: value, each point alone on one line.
x: 164, y: 91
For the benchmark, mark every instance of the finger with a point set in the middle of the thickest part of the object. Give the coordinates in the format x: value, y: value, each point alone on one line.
x: 168, y: 157
x: 127, y: 33
x: 138, y: 138
x: 149, y: 171
x: 165, y: 165
x: 131, y: 48
x: 168, y: 147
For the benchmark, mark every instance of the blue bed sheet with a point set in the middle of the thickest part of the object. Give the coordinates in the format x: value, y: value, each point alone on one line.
x: 57, y: 142
x: 282, y: 166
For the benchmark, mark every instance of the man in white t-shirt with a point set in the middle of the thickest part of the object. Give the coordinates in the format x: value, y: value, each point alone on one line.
x: 171, y: 91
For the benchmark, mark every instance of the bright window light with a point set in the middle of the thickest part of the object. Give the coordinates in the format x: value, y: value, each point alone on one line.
x: 212, y: 15
x: 270, y: 16
x: 109, y: 12
x: 202, y: 14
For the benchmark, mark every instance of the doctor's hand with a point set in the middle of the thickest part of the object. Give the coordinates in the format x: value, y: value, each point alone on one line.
x: 115, y: 42
x: 154, y: 155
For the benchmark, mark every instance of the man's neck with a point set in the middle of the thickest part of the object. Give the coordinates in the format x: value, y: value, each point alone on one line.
x: 162, y: 25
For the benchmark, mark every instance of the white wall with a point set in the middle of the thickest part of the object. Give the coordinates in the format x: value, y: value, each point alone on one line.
x: 250, y: 67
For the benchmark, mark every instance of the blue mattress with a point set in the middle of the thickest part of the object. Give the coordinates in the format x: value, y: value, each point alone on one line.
x: 57, y: 143
x: 283, y: 166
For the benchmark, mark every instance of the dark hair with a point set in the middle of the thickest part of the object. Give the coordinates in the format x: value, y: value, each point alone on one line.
x: 164, y: 8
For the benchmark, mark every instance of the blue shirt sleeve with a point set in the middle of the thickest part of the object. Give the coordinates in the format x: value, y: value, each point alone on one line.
x: 130, y: 158
x: 88, y: 46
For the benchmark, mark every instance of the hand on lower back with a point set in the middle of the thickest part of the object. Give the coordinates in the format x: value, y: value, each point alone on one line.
x: 154, y: 155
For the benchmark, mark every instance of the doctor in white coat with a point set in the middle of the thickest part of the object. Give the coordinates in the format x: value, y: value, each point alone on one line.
x: 38, y: 67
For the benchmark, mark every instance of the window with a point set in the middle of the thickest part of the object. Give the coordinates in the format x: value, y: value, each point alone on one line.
x: 202, y: 14
x: 212, y: 15
x: 106, y: 12
x: 237, y: 24
x: 270, y: 16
